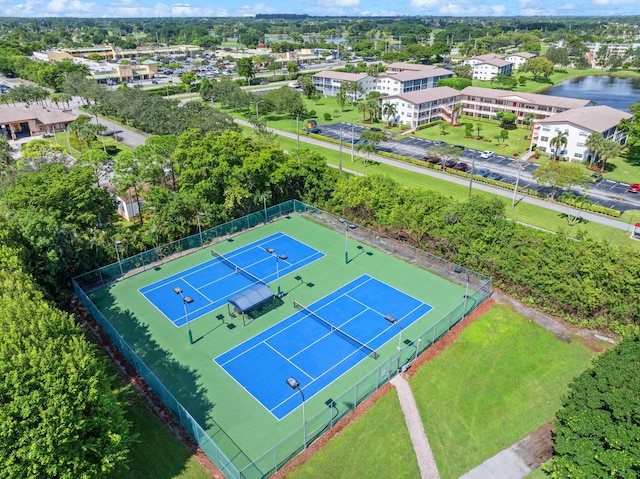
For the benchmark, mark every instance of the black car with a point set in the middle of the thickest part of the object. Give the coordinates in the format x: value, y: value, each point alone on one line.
x: 314, y: 130
x: 375, y: 129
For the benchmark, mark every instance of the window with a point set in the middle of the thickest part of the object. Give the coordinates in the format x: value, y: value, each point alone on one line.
x: 580, y: 144
x: 546, y: 128
x: 544, y: 138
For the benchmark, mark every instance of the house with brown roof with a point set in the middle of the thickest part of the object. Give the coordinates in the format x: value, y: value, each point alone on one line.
x: 578, y: 124
x: 33, y: 120
x: 519, y: 59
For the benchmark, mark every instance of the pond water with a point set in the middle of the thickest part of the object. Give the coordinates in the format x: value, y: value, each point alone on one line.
x: 615, y: 92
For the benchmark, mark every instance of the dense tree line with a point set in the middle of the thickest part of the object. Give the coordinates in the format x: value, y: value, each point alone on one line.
x: 597, y: 430
x: 588, y: 282
x: 58, y: 415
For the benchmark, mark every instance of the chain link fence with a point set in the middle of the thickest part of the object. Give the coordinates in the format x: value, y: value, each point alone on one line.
x: 477, y: 289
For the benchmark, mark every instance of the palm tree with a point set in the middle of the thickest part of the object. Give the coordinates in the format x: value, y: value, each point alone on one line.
x: 559, y: 142
x: 609, y: 149
x: 594, y: 142
x: 389, y: 111
x: 363, y: 108
x: 456, y: 113
x: 528, y: 120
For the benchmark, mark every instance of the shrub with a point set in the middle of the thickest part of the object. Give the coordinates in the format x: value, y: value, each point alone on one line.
x: 327, y: 116
x: 312, y: 113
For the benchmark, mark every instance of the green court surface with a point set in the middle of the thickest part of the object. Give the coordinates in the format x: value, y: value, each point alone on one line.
x: 240, y: 426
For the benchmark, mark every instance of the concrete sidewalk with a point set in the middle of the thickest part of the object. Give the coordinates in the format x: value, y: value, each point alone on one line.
x: 426, y: 462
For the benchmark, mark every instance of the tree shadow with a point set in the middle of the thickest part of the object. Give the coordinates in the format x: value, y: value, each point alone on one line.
x: 181, y: 381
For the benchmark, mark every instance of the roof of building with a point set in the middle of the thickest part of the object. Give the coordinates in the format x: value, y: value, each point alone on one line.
x: 487, y: 57
x: 593, y: 118
x: 43, y: 115
x: 409, y: 75
x: 522, y: 54
x: 410, y: 66
x: 426, y: 95
x: 496, y: 62
x: 341, y: 75
x: 533, y: 98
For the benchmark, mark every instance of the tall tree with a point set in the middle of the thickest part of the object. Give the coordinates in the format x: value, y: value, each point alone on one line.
x: 559, y: 175
x: 558, y: 143
x: 595, y: 143
x: 246, y: 68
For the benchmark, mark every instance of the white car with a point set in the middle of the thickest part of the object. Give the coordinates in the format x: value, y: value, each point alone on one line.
x: 486, y: 154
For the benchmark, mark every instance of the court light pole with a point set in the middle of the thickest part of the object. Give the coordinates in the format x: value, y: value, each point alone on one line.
x: 347, y: 226
x: 118, y: 243
x: 515, y: 189
x: 340, y: 148
x: 185, y: 300
x: 392, y: 319
x: 198, y: 216
x: 278, y: 257
x: 294, y: 384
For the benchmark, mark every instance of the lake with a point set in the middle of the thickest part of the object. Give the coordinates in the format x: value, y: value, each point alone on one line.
x: 615, y: 92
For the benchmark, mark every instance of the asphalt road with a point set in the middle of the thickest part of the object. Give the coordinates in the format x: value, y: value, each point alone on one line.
x: 560, y: 208
x: 607, y: 193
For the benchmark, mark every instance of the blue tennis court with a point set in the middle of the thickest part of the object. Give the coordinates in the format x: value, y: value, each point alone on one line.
x: 210, y: 284
x: 307, y: 347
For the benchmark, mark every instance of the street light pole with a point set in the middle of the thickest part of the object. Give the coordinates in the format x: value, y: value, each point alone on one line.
x: 347, y: 227
x: 352, y: 141
x: 118, y: 243
x: 341, y: 148
x: 515, y: 189
x: 185, y: 300
x: 198, y: 216
x: 294, y: 384
x: 278, y: 257
x: 265, y: 195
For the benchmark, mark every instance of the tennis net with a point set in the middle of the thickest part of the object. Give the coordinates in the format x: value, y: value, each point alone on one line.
x: 235, y: 267
x: 359, y: 344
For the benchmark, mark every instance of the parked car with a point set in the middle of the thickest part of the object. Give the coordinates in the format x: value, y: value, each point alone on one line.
x: 486, y: 154
x: 375, y: 129
x: 264, y: 82
x: 461, y: 166
x: 431, y: 159
x: 594, y: 177
x: 315, y: 130
x: 494, y: 176
x: 438, y: 143
x: 154, y: 82
x: 634, y: 188
x: 450, y: 163
x: 483, y: 172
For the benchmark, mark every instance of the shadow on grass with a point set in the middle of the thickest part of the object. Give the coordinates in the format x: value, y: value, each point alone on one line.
x: 182, y: 382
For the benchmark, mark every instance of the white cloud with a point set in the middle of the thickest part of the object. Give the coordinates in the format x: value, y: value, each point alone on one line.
x: 342, y: 3
x: 422, y: 4
x: 254, y: 9
x: 67, y: 7
x: 615, y: 2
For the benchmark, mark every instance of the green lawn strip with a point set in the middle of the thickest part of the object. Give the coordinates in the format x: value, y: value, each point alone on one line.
x: 157, y: 453
x: 538, y: 474
x: 524, y: 212
x: 377, y: 443
x: 502, y: 379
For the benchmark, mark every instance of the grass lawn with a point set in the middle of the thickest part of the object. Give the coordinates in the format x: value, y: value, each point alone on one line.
x: 502, y: 379
x: 157, y: 453
x: 378, y: 441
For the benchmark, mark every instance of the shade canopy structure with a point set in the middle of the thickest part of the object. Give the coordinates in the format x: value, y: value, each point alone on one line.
x: 249, y: 299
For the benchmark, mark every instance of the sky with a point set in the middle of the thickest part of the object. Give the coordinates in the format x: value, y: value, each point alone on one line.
x: 237, y: 8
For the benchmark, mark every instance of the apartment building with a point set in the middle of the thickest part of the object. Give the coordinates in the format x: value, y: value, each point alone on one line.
x: 579, y: 123
x: 519, y: 59
x: 400, y: 78
x: 486, y: 102
x: 423, y: 106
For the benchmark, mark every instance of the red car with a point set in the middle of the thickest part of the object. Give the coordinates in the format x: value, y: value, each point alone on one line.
x: 634, y: 188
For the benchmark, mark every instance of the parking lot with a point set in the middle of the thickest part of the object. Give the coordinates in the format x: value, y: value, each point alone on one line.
x: 604, y: 192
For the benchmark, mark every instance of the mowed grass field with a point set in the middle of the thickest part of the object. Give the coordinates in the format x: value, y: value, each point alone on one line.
x: 503, y: 378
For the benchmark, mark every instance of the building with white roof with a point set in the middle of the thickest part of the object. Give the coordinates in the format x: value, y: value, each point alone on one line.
x: 579, y: 123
